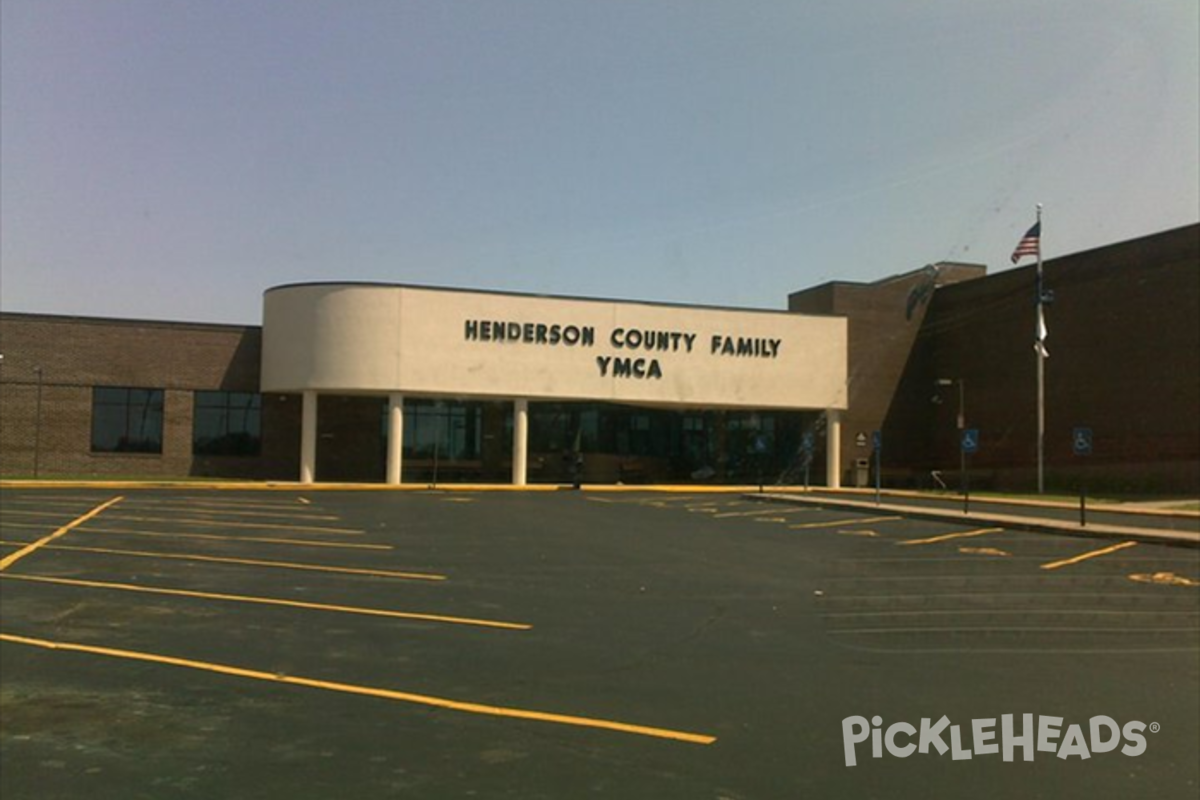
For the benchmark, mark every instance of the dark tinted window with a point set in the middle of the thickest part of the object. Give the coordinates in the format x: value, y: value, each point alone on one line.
x: 227, y: 424
x: 127, y: 420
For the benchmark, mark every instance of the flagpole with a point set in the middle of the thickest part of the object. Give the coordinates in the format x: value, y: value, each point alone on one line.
x: 1040, y: 353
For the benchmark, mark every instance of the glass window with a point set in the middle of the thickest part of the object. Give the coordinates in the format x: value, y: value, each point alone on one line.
x: 694, y: 443
x: 227, y: 424
x: 449, y: 430
x: 550, y: 428
x: 639, y: 435
x: 127, y: 420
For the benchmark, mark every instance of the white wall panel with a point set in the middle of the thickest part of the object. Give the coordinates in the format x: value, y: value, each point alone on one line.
x: 350, y: 338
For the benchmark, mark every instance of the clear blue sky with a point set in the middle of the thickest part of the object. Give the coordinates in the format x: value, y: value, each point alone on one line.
x: 173, y: 158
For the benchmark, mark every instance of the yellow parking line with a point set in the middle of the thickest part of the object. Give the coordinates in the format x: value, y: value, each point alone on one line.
x: 658, y: 501
x: 945, y: 537
x: 370, y: 691
x: 40, y: 496
x: 984, y: 551
x: 213, y: 537
x: 1163, y: 579
x: 42, y: 503
x: 7, y: 512
x: 760, y: 512
x: 215, y: 511
x: 272, y: 601
x: 1091, y: 554
x: 253, y: 562
x: 223, y: 504
x: 13, y: 558
x: 219, y: 538
x: 224, y: 524
x: 836, y: 522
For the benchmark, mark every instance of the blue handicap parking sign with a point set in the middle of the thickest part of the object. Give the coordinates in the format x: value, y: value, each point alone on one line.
x: 970, y: 440
x: 1081, y: 441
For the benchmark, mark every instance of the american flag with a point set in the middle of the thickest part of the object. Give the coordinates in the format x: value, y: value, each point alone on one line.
x: 1028, y: 246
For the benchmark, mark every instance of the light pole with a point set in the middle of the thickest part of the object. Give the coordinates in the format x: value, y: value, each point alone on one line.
x: 961, y: 425
x: 37, y: 423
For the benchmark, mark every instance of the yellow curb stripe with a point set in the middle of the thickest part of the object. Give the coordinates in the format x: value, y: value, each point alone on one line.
x: 253, y: 562
x: 13, y: 558
x: 1085, y: 556
x: 945, y: 537
x: 272, y: 601
x: 370, y: 691
x: 836, y: 522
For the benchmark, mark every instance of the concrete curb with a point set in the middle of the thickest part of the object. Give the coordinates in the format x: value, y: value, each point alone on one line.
x: 984, y: 499
x: 287, y: 486
x: 1033, y: 524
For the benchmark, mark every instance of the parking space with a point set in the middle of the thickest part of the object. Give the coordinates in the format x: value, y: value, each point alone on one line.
x: 261, y: 644
x: 941, y: 587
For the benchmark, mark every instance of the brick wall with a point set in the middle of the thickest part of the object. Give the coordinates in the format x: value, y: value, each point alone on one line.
x: 1124, y: 344
x: 884, y: 320
x: 75, y: 354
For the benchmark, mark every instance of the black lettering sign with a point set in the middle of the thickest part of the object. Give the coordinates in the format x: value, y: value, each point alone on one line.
x: 550, y: 334
x: 627, y: 339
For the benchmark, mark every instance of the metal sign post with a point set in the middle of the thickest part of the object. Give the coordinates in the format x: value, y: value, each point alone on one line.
x: 37, y: 424
x: 1081, y: 445
x: 877, y: 442
x: 970, y: 444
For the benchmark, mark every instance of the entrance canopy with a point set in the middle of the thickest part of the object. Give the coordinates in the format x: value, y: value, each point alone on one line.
x: 346, y: 338
x: 377, y: 338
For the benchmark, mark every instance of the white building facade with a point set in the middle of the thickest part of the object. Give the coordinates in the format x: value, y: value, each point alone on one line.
x: 409, y: 344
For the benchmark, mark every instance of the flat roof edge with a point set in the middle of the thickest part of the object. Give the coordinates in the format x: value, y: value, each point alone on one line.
x: 93, y: 320
x: 536, y: 296
x: 890, y: 278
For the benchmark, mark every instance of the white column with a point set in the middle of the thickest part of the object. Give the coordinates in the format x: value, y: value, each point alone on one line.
x: 833, y: 448
x: 395, y: 452
x: 520, y: 441
x: 308, y: 437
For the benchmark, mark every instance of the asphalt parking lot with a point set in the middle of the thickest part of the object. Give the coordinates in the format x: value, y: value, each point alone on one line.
x: 567, y: 644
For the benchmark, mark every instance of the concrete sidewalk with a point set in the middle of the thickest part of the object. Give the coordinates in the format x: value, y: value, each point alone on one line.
x: 1150, y: 525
